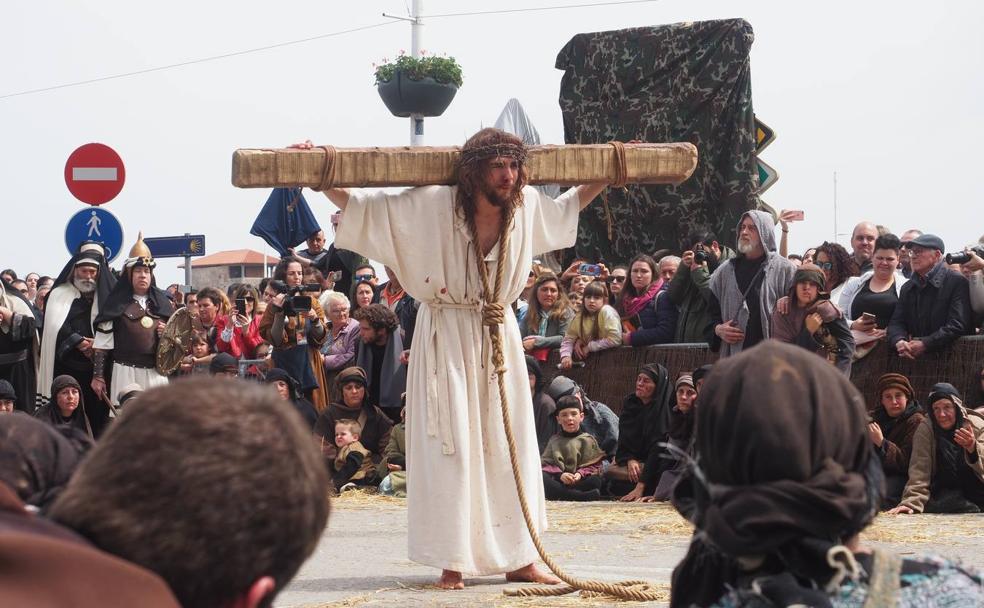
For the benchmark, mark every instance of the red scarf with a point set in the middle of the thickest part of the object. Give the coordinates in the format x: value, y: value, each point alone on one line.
x: 633, y: 304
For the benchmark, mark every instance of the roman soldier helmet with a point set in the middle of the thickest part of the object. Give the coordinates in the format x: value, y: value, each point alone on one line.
x: 140, y: 255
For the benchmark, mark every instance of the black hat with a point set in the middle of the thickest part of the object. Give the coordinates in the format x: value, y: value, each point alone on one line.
x: 7, y: 390
x: 62, y: 382
x: 929, y: 241
x: 223, y: 363
x: 944, y: 390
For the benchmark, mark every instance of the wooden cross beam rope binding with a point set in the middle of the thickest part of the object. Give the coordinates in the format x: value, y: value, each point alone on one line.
x: 421, y: 166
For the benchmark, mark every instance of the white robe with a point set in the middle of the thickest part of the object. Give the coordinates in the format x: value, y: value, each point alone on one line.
x: 463, y: 509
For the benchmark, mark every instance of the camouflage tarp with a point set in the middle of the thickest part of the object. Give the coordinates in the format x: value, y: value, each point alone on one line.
x: 683, y: 82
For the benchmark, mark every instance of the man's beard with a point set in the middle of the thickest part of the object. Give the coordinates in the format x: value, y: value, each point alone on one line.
x: 745, y: 247
x: 492, y: 194
x: 85, y: 285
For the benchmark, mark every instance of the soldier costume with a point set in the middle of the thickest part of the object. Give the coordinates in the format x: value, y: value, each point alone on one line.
x: 127, y: 326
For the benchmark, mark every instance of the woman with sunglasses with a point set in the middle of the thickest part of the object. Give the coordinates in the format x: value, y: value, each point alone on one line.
x: 838, y: 266
x: 238, y: 333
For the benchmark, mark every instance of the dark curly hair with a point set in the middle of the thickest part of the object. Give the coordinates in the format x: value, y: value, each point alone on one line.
x: 378, y: 316
x: 842, y: 266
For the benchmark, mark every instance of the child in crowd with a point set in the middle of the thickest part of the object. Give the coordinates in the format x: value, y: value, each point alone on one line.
x: 393, y: 467
x: 197, y: 362
x: 353, y: 463
x: 572, y: 459
x: 813, y: 322
x: 596, y: 327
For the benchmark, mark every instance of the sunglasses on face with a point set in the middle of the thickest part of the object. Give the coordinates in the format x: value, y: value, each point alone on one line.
x: 363, y: 278
x: 825, y: 265
x: 618, y: 279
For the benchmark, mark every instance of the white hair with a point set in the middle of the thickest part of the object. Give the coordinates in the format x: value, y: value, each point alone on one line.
x: 329, y: 297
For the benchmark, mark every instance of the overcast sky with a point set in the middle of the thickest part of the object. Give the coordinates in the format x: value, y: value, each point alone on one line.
x: 887, y: 94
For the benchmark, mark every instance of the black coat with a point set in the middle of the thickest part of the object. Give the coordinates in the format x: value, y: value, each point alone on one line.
x: 935, y: 310
x: 641, y: 427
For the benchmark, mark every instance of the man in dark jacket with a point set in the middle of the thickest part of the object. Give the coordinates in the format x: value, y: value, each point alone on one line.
x: 934, y: 306
x: 690, y: 288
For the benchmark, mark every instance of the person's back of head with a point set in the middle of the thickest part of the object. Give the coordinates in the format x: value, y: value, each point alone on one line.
x: 224, y: 500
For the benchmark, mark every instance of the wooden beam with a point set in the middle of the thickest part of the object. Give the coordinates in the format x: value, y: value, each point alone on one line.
x: 405, y: 166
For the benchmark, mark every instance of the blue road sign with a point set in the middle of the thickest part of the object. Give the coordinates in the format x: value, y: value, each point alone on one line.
x: 95, y: 224
x: 176, y: 246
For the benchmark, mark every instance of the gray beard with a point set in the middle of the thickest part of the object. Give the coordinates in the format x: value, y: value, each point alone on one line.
x: 85, y: 286
x: 745, y: 248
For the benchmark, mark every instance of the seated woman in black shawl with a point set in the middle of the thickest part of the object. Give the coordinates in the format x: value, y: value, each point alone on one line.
x: 783, y: 482
x: 946, y: 471
x: 642, y: 426
x: 289, y: 390
x: 66, y: 406
x: 376, y: 425
x: 36, y: 460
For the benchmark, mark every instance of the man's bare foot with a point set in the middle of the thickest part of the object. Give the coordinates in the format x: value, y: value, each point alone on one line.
x: 531, y: 574
x: 450, y: 580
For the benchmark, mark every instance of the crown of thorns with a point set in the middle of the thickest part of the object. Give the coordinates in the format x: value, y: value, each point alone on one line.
x: 472, y: 155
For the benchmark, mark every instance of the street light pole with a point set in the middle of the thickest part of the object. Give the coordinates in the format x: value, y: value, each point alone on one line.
x: 416, y: 20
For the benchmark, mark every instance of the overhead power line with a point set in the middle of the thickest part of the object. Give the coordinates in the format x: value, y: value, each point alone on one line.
x: 196, y: 61
x: 311, y: 39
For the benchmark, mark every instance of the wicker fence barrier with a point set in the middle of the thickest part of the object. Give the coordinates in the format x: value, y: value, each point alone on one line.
x: 610, y: 375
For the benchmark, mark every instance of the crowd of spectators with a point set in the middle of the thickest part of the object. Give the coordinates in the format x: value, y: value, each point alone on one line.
x: 335, y: 346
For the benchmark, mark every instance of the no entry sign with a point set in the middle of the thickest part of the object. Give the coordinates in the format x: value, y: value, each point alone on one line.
x: 94, y: 174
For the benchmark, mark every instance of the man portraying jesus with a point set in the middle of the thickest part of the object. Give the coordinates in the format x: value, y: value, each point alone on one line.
x: 464, y: 514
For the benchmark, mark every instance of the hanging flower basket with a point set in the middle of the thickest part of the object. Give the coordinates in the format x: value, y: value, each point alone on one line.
x: 423, y: 85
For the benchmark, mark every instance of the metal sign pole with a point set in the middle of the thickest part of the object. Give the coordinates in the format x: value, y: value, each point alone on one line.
x: 188, y: 266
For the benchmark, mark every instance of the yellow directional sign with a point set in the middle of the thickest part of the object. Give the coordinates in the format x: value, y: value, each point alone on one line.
x: 764, y: 135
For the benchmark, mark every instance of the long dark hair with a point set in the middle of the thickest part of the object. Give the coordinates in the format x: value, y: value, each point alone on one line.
x: 473, y: 169
x: 560, y: 307
x: 596, y: 289
x: 629, y: 290
x: 843, y: 265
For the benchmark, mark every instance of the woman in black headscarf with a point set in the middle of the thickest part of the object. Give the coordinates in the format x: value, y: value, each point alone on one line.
x: 36, y: 461
x: 785, y: 477
x: 289, y: 390
x: 376, y: 426
x: 67, y: 405
x: 783, y: 482
x: 946, y: 470
x: 642, y: 426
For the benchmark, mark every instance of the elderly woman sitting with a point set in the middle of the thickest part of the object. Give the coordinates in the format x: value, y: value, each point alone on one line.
x: 946, y: 471
x: 783, y: 482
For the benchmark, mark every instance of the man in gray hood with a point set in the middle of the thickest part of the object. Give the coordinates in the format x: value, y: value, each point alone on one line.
x: 745, y: 288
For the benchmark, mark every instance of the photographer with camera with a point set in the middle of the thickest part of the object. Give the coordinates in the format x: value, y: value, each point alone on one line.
x: 690, y: 287
x: 295, y: 325
x: 238, y: 333
x: 934, y: 306
x: 971, y: 262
